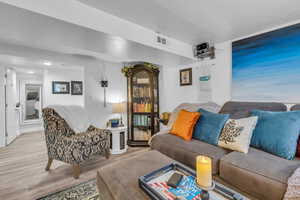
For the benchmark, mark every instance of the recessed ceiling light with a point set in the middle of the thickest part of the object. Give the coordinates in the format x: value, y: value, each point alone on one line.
x: 47, y: 63
x: 30, y: 72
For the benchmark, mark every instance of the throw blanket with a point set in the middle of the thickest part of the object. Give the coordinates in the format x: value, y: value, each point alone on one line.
x: 75, y: 116
x: 293, y: 188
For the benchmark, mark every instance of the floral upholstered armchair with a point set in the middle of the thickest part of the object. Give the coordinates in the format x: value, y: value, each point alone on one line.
x: 64, y: 145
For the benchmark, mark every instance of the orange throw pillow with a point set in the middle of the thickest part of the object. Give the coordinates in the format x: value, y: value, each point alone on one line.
x: 184, y: 124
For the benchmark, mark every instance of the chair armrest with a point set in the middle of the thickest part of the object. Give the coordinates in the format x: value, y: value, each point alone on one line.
x: 91, y: 137
x: 102, y: 131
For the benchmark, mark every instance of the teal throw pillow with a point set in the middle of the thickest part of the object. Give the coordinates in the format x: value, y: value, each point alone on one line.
x: 277, y: 132
x: 209, y: 126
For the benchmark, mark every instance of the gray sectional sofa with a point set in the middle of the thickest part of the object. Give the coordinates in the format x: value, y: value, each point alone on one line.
x: 260, y: 174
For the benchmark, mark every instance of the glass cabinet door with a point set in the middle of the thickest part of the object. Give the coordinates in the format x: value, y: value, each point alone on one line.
x: 155, y: 105
x: 141, y: 106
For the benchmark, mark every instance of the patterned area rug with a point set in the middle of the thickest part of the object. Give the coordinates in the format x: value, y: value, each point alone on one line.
x: 83, y: 191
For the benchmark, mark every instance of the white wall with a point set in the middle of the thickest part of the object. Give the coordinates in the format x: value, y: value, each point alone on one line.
x: 172, y: 94
x: 221, y: 74
x: 62, y: 75
x: 2, y: 107
x: 115, y: 92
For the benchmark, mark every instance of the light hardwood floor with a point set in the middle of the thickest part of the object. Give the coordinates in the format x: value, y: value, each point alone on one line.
x: 22, y: 169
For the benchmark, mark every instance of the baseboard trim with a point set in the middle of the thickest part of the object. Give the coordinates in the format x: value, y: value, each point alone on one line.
x: 31, y: 129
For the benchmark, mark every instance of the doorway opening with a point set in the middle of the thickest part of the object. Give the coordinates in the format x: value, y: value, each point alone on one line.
x: 33, y: 103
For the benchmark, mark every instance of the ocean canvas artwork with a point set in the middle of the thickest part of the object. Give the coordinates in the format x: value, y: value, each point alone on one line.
x: 266, y: 67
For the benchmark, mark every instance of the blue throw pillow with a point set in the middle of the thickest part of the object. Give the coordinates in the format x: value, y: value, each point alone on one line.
x: 277, y: 132
x: 209, y: 126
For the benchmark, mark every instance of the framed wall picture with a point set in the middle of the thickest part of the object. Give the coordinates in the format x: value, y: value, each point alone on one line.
x: 60, y: 87
x: 76, y: 88
x: 186, y: 77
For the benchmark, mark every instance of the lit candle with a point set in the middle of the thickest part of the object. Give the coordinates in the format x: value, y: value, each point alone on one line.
x: 204, y: 176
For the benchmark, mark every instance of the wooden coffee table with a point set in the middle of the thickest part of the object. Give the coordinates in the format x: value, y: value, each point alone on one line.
x: 119, y: 180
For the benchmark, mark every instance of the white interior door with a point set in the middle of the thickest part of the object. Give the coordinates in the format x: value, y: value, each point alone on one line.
x: 12, y: 126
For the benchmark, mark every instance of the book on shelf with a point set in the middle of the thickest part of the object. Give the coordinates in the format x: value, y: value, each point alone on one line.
x: 142, y: 105
x: 141, y: 120
x: 141, y: 91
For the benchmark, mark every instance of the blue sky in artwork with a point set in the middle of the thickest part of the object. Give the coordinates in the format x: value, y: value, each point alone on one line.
x: 266, y: 67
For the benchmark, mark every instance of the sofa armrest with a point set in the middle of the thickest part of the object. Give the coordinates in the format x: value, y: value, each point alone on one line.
x: 162, y: 131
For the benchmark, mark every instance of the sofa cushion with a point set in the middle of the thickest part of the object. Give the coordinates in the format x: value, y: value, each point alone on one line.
x: 209, y: 126
x: 184, y: 124
x: 297, y: 107
x: 238, y: 109
x: 277, y: 132
x: 258, y: 173
x: 187, y: 151
x: 192, y: 107
x: 236, y: 134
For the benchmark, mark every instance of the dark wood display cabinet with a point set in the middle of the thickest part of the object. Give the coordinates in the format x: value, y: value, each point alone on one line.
x: 142, y: 102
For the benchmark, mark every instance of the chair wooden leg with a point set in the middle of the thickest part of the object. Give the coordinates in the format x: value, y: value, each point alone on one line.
x: 76, y: 171
x: 107, y: 153
x: 49, y: 164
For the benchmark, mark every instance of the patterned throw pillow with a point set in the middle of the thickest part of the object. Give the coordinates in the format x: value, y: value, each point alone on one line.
x: 236, y: 134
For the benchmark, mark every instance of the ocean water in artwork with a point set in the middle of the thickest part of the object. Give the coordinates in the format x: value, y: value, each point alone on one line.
x: 266, y: 67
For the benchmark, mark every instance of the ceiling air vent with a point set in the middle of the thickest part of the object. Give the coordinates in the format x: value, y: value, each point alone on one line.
x: 161, y: 40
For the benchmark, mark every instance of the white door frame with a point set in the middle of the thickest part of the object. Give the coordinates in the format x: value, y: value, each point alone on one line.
x: 22, y: 91
x: 5, y: 109
x: 11, y: 118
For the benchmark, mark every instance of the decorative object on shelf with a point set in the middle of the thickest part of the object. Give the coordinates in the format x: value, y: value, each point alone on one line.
x: 203, y: 50
x: 76, y: 88
x: 127, y: 70
x: 204, y: 176
x: 119, y: 108
x: 164, y: 118
x: 143, y: 102
x: 204, y: 78
x: 118, y: 140
x: 113, y: 123
x: 186, y: 77
x: 60, y: 87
